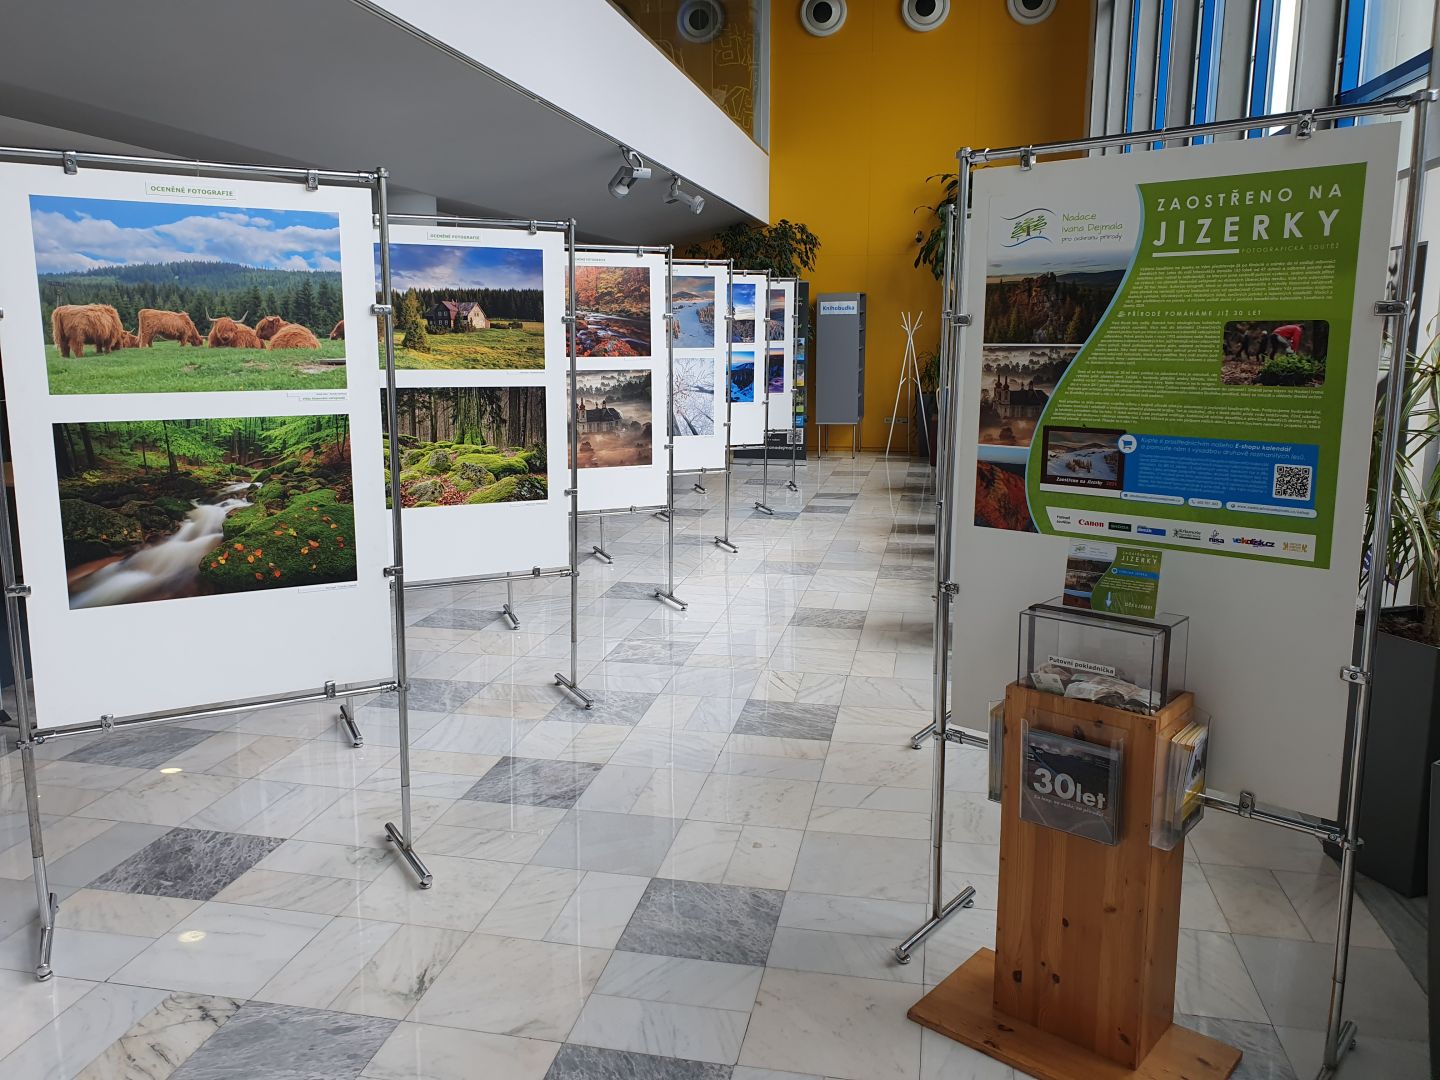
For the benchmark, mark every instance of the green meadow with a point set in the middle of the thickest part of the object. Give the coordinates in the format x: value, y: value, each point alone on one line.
x: 169, y: 367
x: 479, y: 350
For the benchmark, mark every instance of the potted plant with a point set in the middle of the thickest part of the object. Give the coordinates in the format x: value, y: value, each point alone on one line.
x: 932, y: 244
x: 785, y: 249
x: 927, y: 406
x: 1403, y: 737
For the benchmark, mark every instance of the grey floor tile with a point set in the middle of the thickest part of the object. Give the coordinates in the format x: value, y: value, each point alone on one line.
x: 792, y: 569
x: 106, y: 851
x: 282, y: 1042
x: 832, y: 617
x: 191, y: 864
x: 631, y: 590
x: 432, y: 695
x: 611, y: 843
x: 592, y: 1063
x: 534, y: 782
x: 700, y: 921
x: 787, y: 719
x: 1264, y: 1057
x: 139, y: 749
x: 651, y: 652
x: 458, y: 618
x: 823, y: 509
x: 620, y: 707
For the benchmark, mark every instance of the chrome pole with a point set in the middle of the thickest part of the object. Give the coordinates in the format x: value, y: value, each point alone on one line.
x: 403, y: 838
x: 1340, y: 1033
x: 572, y: 684
x: 668, y: 594
x: 723, y: 541
x: 762, y: 379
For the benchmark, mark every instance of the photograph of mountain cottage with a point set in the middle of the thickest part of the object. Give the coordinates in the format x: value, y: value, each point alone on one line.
x: 456, y: 315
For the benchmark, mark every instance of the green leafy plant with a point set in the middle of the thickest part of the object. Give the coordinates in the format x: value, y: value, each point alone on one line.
x: 1412, y: 550
x: 1291, y: 371
x: 930, y: 372
x: 785, y: 249
x: 932, y: 245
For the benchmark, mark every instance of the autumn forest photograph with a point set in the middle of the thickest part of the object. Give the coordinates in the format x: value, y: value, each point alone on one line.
x: 170, y: 509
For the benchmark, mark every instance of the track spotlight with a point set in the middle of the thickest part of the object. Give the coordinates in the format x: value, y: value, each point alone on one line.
x: 625, y: 177
x: 696, y: 203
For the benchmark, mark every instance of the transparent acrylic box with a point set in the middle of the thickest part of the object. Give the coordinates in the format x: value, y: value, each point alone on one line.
x: 1117, y: 660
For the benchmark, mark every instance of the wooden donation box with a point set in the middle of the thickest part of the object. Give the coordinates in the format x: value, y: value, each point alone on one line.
x: 1081, y: 982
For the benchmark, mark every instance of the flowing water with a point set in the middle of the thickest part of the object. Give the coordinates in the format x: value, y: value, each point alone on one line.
x: 166, y: 568
x: 599, y: 329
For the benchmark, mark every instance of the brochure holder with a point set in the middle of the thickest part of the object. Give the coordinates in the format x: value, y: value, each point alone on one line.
x: 1081, y: 982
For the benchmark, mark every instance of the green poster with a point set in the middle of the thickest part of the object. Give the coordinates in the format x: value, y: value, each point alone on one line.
x: 1112, y: 578
x: 1185, y: 390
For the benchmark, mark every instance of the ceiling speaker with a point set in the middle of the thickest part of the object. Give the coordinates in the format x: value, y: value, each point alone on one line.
x: 700, y: 21
x: 822, y: 17
x: 924, y: 15
x: 1030, y: 11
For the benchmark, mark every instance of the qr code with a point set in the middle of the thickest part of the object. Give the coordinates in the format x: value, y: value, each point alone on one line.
x: 1293, y: 482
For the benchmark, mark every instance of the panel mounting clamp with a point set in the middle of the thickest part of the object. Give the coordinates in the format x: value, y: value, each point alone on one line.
x: 1027, y: 158
x: 330, y: 688
x: 312, y: 180
x: 381, y: 309
x: 18, y: 589
x: 949, y: 588
x: 70, y: 162
x: 1354, y: 675
x: 1390, y: 309
x: 1306, y: 127
x: 961, y: 319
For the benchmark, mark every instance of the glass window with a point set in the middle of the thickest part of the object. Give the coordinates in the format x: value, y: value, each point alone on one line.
x: 1394, y: 31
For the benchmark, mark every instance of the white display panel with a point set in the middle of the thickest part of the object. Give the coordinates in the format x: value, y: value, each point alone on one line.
x: 484, y: 488
x: 621, y: 378
x: 748, y: 294
x: 139, y: 601
x: 780, y: 331
x: 698, y: 301
x: 1267, y: 638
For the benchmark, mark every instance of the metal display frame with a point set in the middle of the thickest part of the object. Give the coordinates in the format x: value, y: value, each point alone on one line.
x: 761, y: 368
x: 507, y: 610
x: 29, y: 735
x: 698, y: 486
x: 666, y: 510
x: 793, y: 333
x: 1398, y: 315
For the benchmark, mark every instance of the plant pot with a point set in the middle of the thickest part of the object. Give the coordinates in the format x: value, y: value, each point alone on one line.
x: 925, y: 432
x: 1401, y: 743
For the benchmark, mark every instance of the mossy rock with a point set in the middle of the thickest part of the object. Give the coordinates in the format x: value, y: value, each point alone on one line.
x: 240, y: 521
x: 426, y: 491
x: 310, y: 542
x: 497, y: 464
x: 151, y: 517
x: 411, y: 458
x: 175, y: 509
x: 438, y: 461
x: 511, y: 489
x: 474, y: 473
x: 183, y: 486
x: 92, y: 532
x: 100, y: 492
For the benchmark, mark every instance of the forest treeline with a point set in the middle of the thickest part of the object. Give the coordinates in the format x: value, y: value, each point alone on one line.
x: 508, y: 417
x: 309, y: 297
x: 527, y: 305
x: 613, y: 290
x: 1044, y: 309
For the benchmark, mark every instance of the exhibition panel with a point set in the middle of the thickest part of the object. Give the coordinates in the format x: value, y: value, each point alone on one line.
x: 180, y: 479
x: 481, y: 373
x: 622, y: 361
x: 780, y: 354
x: 697, y: 301
x: 748, y: 294
x: 1178, y: 351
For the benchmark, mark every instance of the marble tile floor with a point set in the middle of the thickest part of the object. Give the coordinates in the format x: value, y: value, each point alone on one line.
x: 700, y: 879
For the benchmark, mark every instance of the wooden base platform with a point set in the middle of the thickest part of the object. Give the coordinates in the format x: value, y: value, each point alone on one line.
x: 961, y: 1008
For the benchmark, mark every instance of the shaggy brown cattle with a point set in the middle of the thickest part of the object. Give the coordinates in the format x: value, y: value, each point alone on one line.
x: 294, y: 336
x: 76, y: 325
x: 171, y: 325
x: 228, y: 333
x: 269, y: 326
x: 129, y: 341
x: 338, y: 334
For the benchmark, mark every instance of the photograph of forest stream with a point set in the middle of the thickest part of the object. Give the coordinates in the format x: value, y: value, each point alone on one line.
x: 166, y: 509
x: 470, y: 446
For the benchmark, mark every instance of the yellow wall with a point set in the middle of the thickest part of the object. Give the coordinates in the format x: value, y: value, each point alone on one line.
x: 859, y: 119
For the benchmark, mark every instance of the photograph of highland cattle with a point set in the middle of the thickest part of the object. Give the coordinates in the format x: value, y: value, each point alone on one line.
x: 469, y: 446
x: 171, y: 509
x: 612, y: 311
x: 693, y: 300
x: 467, y: 308
x: 613, y: 418
x: 694, y: 400
x: 742, y: 301
x: 1280, y: 354
x: 155, y: 297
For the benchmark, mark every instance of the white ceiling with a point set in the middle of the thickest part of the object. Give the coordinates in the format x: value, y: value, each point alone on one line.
x: 319, y: 83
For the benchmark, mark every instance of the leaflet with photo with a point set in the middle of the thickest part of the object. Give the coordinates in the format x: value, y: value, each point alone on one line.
x: 1071, y: 785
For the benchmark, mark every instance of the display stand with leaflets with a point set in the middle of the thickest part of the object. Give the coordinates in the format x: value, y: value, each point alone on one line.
x: 975, y: 1004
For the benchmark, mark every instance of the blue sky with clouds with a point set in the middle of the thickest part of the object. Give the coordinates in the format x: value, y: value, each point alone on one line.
x: 443, y: 266
x: 84, y: 234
